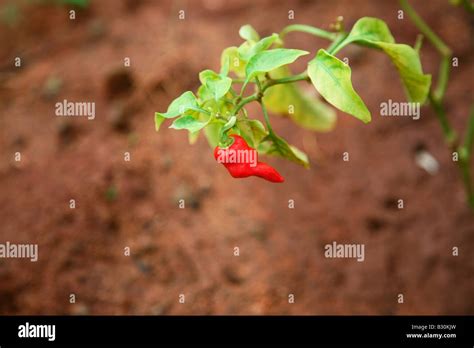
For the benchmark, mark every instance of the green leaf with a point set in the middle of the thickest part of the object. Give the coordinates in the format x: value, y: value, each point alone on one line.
x: 236, y: 64
x: 368, y: 30
x: 225, y: 67
x: 212, y: 133
x: 247, y: 32
x: 158, y: 121
x: 332, y: 79
x: 269, y: 60
x: 186, y: 101
x: 248, y: 50
x: 374, y: 33
x: 189, y: 122
x: 290, y: 100
x: 180, y: 105
x: 252, y: 131
x: 193, y: 137
x: 217, y: 85
x: 274, y: 145
x: 204, y: 93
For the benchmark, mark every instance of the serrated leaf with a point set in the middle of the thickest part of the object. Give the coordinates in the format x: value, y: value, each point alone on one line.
x: 290, y: 100
x: 247, y: 32
x: 217, y: 85
x: 374, y: 33
x: 188, y: 122
x: 274, y: 145
x: 332, y: 79
x: 270, y: 60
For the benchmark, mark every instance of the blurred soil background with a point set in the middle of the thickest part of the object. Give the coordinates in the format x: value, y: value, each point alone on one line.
x: 190, y: 251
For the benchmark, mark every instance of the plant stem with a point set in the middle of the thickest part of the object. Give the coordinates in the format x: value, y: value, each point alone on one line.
x: 290, y: 79
x: 436, y: 101
x: 334, y: 47
x: 309, y: 30
x: 469, y: 136
x: 440, y: 46
x: 450, y: 135
x: 443, y: 77
x: 245, y: 101
x: 418, y: 43
x: 425, y: 29
x: 267, y: 119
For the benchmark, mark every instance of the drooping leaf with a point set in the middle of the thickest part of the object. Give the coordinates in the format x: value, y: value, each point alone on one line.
x: 374, y: 33
x: 217, y: 85
x: 274, y: 145
x: 186, y: 101
x: 290, y: 100
x: 270, y: 60
x: 332, y: 79
x: 247, y: 32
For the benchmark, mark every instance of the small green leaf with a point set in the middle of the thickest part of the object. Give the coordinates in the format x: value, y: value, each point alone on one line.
x: 225, y: 67
x: 180, y: 105
x: 236, y: 64
x: 186, y: 101
x: 247, y: 32
x: 217, y: 85
x: 212, y: 133
x: 248, y: 50
x: 274, y: 145
x: 374, y: 33
x: 188, y: 122
x: 252, y: 131
x: 369, y: 30
x: 193, y: 137
x: 204, y: 93
x: 269, y: 60
x: 158, y: 121
x: 289, y: 99
x: 332, y: 79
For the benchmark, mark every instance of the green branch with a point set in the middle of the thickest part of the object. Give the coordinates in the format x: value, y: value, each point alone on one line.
x: 450, y: 135
x: 290, y: 79
x: 309, y: 30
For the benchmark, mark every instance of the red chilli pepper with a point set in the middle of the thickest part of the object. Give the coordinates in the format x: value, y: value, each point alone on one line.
x: 242, y: 161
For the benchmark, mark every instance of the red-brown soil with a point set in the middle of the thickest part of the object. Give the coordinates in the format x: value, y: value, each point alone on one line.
x: 191, y: 251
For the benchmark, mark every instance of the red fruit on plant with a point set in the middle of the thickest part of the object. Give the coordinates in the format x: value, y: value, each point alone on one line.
x: 242, y: 161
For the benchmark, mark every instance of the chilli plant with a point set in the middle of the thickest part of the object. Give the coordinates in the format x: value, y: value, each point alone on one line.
x: 461, y: 147
x: 258, y: 71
